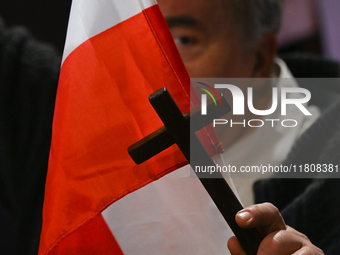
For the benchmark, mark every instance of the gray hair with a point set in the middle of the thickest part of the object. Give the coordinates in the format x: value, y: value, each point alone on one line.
x: 258, y: 17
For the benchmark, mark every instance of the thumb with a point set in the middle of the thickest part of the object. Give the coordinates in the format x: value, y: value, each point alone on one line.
x: 265, y: 216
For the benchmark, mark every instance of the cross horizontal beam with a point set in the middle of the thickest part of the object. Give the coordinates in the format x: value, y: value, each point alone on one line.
x: 160, y: 140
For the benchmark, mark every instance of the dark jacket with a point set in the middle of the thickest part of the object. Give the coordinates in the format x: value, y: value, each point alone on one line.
x: 312, y: 206
x: 28, y: 80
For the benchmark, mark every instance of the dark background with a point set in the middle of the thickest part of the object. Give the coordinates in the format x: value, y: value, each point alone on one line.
x: 47, y: 20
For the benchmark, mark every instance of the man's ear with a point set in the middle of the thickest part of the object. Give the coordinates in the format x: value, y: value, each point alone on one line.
x: 265, y: 52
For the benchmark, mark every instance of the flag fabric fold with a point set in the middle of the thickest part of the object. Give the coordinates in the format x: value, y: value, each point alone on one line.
x: 116, y: 54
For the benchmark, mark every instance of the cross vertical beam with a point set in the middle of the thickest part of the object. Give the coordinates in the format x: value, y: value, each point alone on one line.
x: 178, y: 131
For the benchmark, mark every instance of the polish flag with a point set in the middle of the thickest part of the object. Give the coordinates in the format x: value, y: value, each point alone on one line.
x: 97, y: 201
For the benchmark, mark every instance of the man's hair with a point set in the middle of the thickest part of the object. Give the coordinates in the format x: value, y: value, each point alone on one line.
x: 258, y: 17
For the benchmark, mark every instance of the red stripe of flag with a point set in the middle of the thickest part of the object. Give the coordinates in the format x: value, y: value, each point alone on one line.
x: 102, y: 108
x: 92, y: 238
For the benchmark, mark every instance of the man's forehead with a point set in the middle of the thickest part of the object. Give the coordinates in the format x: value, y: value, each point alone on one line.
x: 195, y: 13
x: 194, y: 8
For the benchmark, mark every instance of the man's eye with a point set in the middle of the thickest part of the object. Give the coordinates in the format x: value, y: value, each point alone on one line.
x: 189, y: 45
x: 182, y: 40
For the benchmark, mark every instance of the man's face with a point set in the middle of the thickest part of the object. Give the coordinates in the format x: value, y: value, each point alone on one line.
x: 208, y: 38
x: 212, y: 45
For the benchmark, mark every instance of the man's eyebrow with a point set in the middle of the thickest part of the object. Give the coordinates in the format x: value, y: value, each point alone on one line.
x: 181, y: 21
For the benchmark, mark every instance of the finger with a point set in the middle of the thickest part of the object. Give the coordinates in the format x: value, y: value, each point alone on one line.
x: 235, y: 247
x: 282, y: 242
x: 265, y: 216
x: 309, y: 250
x: 307, y: 246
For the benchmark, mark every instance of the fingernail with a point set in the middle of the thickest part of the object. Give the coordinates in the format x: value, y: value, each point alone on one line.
x: 246, y: 216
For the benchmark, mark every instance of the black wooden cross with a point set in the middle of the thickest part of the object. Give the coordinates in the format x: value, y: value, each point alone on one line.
x: 177, y: 130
